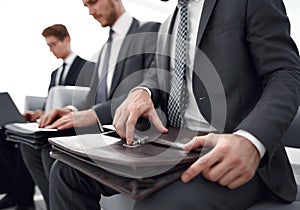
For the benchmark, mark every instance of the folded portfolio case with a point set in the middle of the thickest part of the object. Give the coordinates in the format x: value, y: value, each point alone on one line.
x: 136, y: 171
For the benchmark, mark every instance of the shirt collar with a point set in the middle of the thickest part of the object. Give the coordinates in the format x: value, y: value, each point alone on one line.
x: 70, y: 58
x: 122, y: 25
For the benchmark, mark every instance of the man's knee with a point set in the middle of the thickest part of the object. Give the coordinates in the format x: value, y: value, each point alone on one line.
x: 27, y: 152
x: 62, y: 174
x: 58, y: 170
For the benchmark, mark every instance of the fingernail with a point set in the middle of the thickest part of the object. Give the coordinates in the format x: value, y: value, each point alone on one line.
x: 185, y: 178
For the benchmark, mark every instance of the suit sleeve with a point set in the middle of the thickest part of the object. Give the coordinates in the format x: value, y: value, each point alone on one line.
x: 52, y: 80
x: 276, y: 59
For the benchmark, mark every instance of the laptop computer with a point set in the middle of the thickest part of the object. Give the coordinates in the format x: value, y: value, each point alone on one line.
x: 9, y: 112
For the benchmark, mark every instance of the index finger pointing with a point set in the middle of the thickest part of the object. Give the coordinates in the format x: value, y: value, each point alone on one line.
x: 130, y: 126
x: 153, y: 117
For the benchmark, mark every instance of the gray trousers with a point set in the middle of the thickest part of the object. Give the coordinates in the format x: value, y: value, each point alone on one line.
x: 15, y: 179
x: 71, y: 189
x: 39, y: 162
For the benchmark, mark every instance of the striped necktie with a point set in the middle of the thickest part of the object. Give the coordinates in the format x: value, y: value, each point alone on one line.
x: 178, y: 98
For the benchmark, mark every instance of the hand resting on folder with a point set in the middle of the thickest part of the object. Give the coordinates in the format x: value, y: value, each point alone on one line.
x: 65, y: 119
x: 32, y: 116
x: 232, y: 162
x: 51, y: 116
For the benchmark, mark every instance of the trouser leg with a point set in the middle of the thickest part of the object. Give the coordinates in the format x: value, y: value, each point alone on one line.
x: 202, y: 194
x: 15, y: 179
x: 71, y: 189
x: 23, y: 186
x: 38, y: 164
x: 8, y: 159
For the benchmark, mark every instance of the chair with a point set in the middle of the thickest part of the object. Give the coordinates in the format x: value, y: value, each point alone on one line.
x: 291, y: 140
x: 61, y: 96
x: 291, y: 137
x: 34, y: 102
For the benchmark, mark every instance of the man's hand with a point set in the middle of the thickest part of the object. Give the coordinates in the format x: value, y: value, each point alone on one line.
x: 32, y: 116
x: 137, y: 104
x: 76, y: 119
x: 53, y: 115
x: 232, y: 162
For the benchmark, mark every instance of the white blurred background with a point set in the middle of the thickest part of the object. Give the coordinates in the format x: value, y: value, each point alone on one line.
x: 27, y: 63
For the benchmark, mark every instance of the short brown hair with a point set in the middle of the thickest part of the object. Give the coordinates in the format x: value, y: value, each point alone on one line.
x: 58, y: 30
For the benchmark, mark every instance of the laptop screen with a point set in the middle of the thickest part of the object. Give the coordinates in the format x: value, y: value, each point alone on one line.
x: 9, y: 112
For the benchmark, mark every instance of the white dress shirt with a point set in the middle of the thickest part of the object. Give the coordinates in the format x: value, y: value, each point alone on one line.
x: 68, y: 61
x: 120, y: 28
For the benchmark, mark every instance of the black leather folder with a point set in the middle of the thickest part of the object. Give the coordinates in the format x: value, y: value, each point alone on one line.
x: 22, y: 133
x: 133, y: 171
x: 38, y: 138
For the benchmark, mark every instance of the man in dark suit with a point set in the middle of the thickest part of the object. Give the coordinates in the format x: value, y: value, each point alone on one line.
x: 241, y: 82
x: 16, y: 181
x: 130, y: 41
x: 58, y: 39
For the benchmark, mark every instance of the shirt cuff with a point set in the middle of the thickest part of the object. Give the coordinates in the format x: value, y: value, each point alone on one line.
x: 259, y: 146
x: 72, y: 108
x: 144, y: 88
x: 98, y: 119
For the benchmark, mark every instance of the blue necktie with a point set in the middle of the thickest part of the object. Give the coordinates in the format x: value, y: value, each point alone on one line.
x: 102, y: 85
x: 178, y: 98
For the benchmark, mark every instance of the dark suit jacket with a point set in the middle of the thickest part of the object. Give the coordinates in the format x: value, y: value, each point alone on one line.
x: 136, y: 54
x: 79, y: 64
x: 80, y: 74
x: 246, y: 76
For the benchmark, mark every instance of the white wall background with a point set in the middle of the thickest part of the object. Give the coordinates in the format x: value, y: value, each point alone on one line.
x: 26, y: 62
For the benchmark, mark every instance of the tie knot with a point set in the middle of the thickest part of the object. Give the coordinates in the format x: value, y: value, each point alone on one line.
x: 183, y: 2
x: 63, y: 66
x: 111, y: 32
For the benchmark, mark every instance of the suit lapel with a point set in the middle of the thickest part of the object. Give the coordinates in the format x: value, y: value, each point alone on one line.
x: 164, y: 43
x: 122, y: 56
x: 206, y: 13
x: 71, y: 74
x: 199, y: 89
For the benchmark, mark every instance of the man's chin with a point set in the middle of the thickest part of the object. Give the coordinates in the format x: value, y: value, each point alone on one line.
x: 102, y: 22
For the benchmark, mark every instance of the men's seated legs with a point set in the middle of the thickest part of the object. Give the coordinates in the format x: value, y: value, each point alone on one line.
x: 15, y: 179
x: 70, y: 189
x: 38, y: 162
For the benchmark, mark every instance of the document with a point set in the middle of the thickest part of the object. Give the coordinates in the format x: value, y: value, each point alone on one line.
x: 34, y: 127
